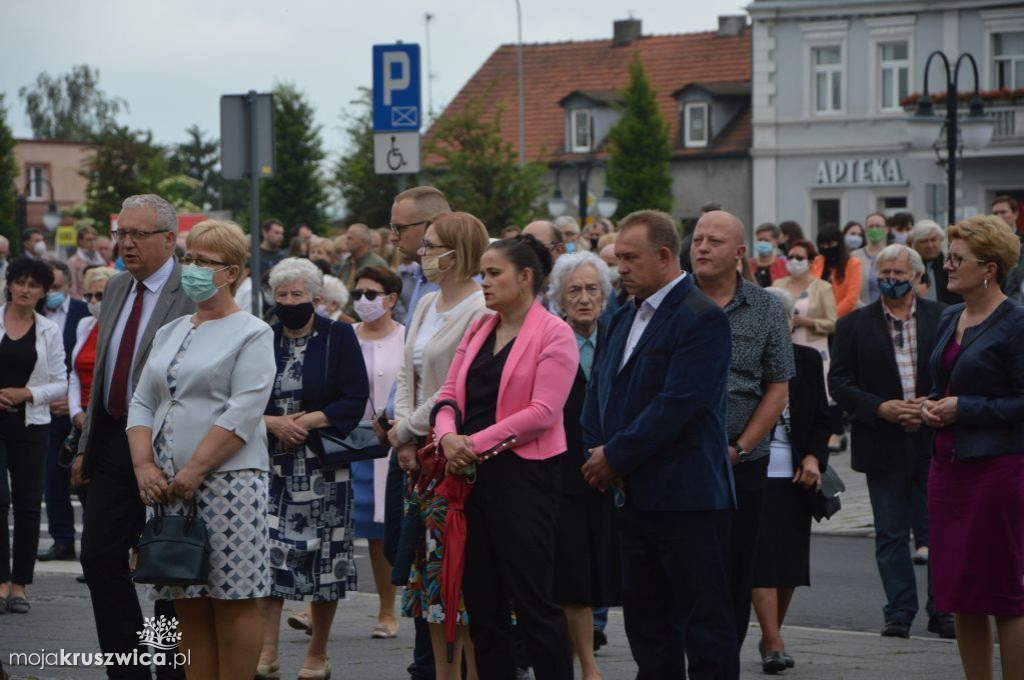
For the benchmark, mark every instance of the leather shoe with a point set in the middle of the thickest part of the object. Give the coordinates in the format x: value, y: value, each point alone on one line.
x: 56, y: 552
x: 789, y: 660
x: 942, y: 625
x: 895, y: 629
x: 600, y: 639
x: 773, y: 663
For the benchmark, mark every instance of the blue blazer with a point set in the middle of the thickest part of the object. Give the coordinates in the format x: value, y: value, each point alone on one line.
x: 333, y: 378
x: 987, y: 379
x: 77, y: 311
x: 661, y: 418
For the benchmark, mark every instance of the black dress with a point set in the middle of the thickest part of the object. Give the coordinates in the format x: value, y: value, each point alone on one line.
x: 587, y: 562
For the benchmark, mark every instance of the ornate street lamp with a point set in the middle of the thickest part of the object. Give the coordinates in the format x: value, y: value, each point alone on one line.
x: 557, y: 205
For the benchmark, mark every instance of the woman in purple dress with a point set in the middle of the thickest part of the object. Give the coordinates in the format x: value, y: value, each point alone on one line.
x: 976, y: 486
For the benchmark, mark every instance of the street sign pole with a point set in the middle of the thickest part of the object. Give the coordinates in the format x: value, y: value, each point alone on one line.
x: 255, y: 235
x: 397, y: 110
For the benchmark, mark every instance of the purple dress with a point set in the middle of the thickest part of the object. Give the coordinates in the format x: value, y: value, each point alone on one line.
x: 976, y: 526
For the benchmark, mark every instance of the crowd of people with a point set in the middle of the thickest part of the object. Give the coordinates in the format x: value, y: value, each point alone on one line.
x: 575, y: 418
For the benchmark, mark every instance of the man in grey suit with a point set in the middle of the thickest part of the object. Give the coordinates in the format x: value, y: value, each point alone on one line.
x: 135, y: 305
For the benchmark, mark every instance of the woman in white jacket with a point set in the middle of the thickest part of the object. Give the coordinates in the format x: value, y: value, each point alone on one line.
x: 83, y: 356
x: 32, y: 374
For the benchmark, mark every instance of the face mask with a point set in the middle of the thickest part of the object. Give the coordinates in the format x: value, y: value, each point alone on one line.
x: 39, y: 248
x: 432, y: 269
x: 321, y: 310
x: 570, y: 247
x: 798, y: 267
x: 893, y: 289
x: 876, y: 234
x: 54, y: 300
x: 294, y: 317
x: 830, y: 254
x: 369, y: 310
x: 94, y: 309
x: 198, y: 282
x: 900, y: 237
x: 764, y: 248
x: 593, y: 244
x: 853, y: 241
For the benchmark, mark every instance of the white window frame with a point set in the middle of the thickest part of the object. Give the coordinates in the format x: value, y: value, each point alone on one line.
x: 817, y: 194
x: 35, y: 189
x: 896, y: 66
x: 688, y: 141
x: 881, y: 195
x: 574, y: 117
x: 997, y: 21
x: 1013, y: 60
x: 884, y: 30
x: 831, y: 72
x: 818, y: 34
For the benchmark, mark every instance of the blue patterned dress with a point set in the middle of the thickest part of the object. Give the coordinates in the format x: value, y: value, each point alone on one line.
x: 311, y: 521
x: 233, y: 505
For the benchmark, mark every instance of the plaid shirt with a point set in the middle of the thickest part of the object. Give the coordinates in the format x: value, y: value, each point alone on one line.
x: 904, y: 343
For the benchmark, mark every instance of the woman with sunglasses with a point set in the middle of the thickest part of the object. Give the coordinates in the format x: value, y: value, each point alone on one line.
x: 83, y: 357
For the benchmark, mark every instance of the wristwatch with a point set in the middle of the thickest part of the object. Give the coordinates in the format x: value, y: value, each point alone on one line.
x: 744, y: 456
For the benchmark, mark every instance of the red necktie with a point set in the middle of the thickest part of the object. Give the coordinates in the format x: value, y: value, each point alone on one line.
x: 116, y: 405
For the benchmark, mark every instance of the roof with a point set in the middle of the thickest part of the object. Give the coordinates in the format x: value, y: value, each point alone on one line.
x: 599, y: 96
x: 551, y: 71
x: 726, y: 89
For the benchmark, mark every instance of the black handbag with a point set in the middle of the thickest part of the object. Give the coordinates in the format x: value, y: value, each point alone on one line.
x: 69, y: 447
x: 360, y: 444
x: 173, y: 550
x: 825, y: 502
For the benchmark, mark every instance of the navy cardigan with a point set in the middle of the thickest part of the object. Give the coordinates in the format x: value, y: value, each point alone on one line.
x: 333, y: 378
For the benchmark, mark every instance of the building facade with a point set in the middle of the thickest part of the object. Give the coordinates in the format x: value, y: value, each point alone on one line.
x: 833, y: 87
x: 50, y: 170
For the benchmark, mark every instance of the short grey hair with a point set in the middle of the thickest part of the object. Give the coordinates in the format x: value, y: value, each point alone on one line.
x: 924, y: 229
x: 292, y: 269
x: 564, y: 268
x: 894, y: 251
x: 166, y: 215
x: 566, y: 221
x: 334, y: 291
x: 787, y: 300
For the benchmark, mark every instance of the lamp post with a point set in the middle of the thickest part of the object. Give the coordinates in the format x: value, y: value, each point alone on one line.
x: 974, y: 132
x: 557, y: 205
x: 519, y: 75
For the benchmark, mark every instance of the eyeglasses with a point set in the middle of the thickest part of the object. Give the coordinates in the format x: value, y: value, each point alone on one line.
x: 370, y: 295
x: 136, y: 235
x: 202, y: 262
x: 397, y: 229
x: 954, y: 260
x: 798, y: 258
x: 427, y: 245
x: 89, y: 297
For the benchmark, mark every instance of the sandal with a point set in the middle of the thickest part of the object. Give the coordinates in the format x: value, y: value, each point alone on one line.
x: 269, y: 671
x: 301, y: 621
x: 18, y: 605
x: 384, y: 632
x: 321, y: 674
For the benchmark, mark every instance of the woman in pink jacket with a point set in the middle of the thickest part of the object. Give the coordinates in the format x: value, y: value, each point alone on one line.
x: 511, y: 376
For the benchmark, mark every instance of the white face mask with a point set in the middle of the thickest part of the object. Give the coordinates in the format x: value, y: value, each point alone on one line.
x: 94, y: 309
x: 798, y: 267
x: 370, y: 310
x: 900, y: 237
x: 39, y: 248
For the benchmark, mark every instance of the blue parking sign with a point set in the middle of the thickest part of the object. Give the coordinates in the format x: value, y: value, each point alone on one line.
x: 396, y: 88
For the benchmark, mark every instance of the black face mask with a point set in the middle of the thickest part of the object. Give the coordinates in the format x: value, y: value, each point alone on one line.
x: 295, y: 317
x: 593, y: 244
x: 831, y: 254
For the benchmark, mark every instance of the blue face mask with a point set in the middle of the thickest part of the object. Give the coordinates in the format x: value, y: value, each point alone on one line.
x: 763, y: 248
x: 198, y: 282
x: 893, y: 289
x: 54, y: 300
x: 570, y: 247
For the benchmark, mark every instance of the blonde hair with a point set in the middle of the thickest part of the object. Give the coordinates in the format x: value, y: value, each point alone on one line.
x: 317, y: 241
x: 98, y: 274
x: 990, y: 239
x: 467, y: 236
x: 224, y: 238
x: 605, y: 240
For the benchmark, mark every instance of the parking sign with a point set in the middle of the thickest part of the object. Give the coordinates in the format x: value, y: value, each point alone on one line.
x: 396, y: 88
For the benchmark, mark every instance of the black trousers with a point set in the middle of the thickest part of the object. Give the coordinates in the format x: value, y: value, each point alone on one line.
x: 23, y: 455
x: 746, y: 522
x: 57, y: 490
x: 675, y: 594
x: 511, y: 520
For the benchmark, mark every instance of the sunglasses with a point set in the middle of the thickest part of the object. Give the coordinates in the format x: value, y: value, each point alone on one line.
x: 89, y: 297
x: 370, y: 295
x: 798, y: 258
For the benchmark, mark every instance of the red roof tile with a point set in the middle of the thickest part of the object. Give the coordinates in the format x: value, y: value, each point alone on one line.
x: 554, y: 70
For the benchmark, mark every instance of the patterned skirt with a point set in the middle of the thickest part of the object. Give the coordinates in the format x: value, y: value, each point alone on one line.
x: 422, y: 595
x: 311, y: 528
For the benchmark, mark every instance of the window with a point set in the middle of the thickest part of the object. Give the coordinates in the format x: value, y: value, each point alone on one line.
x: 826, y: 211
x: 895, y: 74
x: 580, y: 130
x: 890, y: 205
x: 827, y: 65
x: 695, y: 122
x: 1008, y: 66
x: 36, y: 182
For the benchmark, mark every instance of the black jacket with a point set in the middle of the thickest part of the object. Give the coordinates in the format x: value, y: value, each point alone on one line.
x: 809, y: 424
x: 863, y: 374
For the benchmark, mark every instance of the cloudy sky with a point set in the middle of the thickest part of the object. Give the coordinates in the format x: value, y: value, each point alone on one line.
x: 171, y: 60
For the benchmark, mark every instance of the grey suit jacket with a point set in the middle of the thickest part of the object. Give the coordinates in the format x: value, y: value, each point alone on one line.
x: 171, y: 304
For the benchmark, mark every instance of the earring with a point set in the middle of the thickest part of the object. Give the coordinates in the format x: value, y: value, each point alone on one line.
x: 986, y: 283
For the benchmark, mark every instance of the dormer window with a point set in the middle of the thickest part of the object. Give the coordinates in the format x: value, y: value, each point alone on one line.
x: 581, y: 131
x: 695, y: 124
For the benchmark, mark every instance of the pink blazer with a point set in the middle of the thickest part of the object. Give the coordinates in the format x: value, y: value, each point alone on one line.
x: 535, y: 384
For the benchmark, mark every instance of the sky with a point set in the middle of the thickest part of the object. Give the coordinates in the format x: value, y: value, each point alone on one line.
x: 172, y: 60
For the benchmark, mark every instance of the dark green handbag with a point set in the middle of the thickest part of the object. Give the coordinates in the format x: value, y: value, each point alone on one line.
x: 173, y: 550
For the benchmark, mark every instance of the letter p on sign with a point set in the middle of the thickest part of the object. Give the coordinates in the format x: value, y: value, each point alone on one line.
x: 396, y: 74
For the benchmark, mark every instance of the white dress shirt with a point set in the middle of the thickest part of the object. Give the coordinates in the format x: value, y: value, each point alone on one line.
x: 60, y: 315
x: 154, y: 284
x: 644, y: 316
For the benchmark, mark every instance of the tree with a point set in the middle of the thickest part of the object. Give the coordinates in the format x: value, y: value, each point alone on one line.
x: 71, y: 106
x: 479, y: 172
x: 8, y: 182
x: 125, y: 162
x: 197, y: 159
x: 367, y: 195
x: 638, y: 162
x: 297, y: 192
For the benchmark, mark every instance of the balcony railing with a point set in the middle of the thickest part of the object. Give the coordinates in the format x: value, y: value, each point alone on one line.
x: 1009, y: 122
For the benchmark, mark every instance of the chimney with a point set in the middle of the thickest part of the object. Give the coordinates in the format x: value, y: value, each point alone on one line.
x: 731, y: 24
x: 625, y: 31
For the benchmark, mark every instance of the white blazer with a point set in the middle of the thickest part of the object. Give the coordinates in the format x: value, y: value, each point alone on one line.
x: 85, y: 326
x: 49, y: 380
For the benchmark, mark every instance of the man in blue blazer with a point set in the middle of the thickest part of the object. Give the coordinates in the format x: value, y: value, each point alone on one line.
x: 66, y: 312
x: 654, y: 423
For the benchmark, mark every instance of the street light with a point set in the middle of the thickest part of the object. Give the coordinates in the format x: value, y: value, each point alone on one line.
x: 974, y: 131
x: 519, y: 78
x: 51, y: 218
x: 557, y: 205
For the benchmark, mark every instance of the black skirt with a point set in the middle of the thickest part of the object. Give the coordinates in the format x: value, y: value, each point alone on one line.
x: 587, y: 571
x: 783, y: 555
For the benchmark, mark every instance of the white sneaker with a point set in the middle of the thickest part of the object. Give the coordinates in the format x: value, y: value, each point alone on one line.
x: 921, y: 555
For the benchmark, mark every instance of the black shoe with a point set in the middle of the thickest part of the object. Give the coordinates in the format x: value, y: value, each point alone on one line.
x: 789, y: 660
x: 57, y: 552
x: 896, y: 629
x: 942, y: 625
x: 80, y: 579
x: 600, y: 639
x: 773, y: 663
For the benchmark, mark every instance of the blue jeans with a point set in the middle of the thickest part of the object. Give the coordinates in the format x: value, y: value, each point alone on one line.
x: 893, y: 499
x: 59, y: 514
x: 600, y: 618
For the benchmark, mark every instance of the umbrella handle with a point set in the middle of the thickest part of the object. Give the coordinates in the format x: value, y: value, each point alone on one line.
x: 451, y: 652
